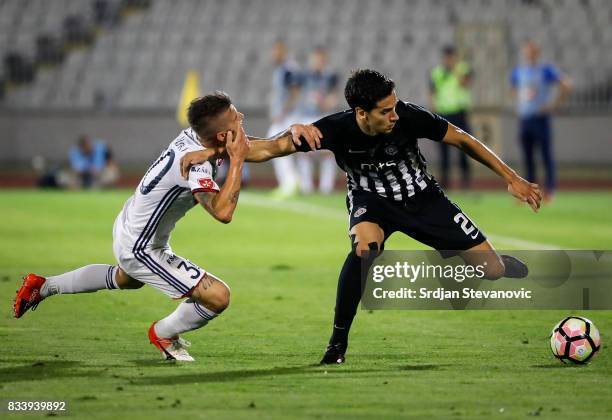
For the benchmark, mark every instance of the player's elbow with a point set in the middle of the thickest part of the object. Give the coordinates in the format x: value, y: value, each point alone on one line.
x: 224, y: 217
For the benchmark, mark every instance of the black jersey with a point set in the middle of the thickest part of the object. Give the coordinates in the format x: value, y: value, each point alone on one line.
x: 390, y: 165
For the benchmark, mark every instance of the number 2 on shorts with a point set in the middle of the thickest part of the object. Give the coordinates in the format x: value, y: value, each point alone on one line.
x: 466, y: 224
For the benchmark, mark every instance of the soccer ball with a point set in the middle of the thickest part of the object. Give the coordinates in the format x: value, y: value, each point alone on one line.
x: 575, y: 339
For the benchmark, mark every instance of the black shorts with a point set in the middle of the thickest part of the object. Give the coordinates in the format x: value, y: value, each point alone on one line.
x: 431, y: 219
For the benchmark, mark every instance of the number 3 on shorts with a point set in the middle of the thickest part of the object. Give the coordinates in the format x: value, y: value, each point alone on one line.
x: 188, y: 269
x: 466, y: 224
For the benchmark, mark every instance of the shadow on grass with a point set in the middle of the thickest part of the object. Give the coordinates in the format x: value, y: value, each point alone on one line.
x: 238, y: 375
x: 420, y: 367
x: 43, y: 370
x: 556, y: 366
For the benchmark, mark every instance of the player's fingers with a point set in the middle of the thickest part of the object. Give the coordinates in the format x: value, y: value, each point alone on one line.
x: 316, y: 135
x: 535, y: 207
x: 317, y: 131
x: 536, y: 188
x: 295, y: 136
x: 311, y: 138
x: 539, y: 193
x: 538, y: 200
x: 229, y: 136
x: 185, y: 167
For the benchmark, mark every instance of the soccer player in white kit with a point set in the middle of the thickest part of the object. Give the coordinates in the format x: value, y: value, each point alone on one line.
x: 142, y: 229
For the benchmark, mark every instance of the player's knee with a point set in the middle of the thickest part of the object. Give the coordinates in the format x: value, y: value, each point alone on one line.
x: 125, y: 281
x: 216, y: 298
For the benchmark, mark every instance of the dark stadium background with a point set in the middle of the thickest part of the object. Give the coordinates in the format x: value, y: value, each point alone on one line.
x: 71, y: 67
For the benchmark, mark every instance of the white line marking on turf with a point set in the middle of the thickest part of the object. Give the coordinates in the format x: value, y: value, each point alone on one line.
x: 294, y: 206
x: 521, y: 243
x: 309, y: 209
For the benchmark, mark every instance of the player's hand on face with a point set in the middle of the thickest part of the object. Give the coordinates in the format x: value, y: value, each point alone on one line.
x: 526, y: 192
x: 237, y: 144
x: 193, y: 158
x: 309, y: 132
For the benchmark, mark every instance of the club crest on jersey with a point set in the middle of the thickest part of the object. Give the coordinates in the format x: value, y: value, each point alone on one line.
x: 206, y: 183
x: 391, y: 150
x: 219, y: 162
x: 359, y: 211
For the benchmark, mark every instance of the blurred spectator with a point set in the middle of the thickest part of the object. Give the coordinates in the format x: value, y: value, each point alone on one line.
x: 450, y: 97
x: 110, y: 174
x: 533, y: 83
x: 51, y: 176
x: 48, y: 50
x: 77, y: 31
x: 135, y: 4
x: 283, y: 95
x: 318, y: 97
x: 106, y: 13
x: 18, y: 69
x: 89, y: 161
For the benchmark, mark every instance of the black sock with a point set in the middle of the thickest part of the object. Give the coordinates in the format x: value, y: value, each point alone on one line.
x: 348, y: 295
x: 515, y: 268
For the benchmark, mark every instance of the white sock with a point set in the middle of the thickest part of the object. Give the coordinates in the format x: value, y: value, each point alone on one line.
x: 188, y: 316
x: 82, y: 280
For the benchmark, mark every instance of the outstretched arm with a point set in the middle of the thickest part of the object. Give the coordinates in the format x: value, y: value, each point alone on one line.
x: 262, y: 149
x: 283, y: 143
x: 517, y: 186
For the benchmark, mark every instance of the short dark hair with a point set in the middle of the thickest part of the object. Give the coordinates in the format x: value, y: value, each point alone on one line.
x: 202, y: 110
x: 449, y: 50
x: 366, y: 87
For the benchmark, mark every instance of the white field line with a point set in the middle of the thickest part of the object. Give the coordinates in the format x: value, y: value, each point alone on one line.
x: 308, y: 209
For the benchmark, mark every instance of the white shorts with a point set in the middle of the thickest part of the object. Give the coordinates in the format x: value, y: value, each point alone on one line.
x: 161, y: 268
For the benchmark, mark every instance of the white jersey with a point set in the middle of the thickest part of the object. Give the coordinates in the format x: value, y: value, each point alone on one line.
x: 163, y: 197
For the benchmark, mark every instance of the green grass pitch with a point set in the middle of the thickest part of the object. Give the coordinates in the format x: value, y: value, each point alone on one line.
x: 259, y: 360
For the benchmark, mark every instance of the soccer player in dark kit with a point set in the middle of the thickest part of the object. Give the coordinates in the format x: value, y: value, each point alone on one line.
x: 389, y: 189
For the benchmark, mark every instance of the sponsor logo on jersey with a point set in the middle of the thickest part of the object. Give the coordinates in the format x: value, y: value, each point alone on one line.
x: 391, y: 150
x: 206, y: 183
x: 375, y: 166
x: 202, y: 169
x: 359, y: 211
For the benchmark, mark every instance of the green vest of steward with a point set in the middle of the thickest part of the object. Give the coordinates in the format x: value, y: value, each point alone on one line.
x: 449, y: 97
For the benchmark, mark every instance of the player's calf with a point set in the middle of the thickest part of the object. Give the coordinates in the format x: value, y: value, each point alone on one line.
x: 90, y: 278
x: 210, y: 297
x: 485, y: 256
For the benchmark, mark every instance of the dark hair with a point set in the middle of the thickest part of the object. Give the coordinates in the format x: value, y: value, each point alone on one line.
x: 202, y: 110
x: 366, y: 87
x: 449, y: 50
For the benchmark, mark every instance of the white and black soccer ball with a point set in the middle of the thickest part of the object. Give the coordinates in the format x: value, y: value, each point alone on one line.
x: 575, y: 340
